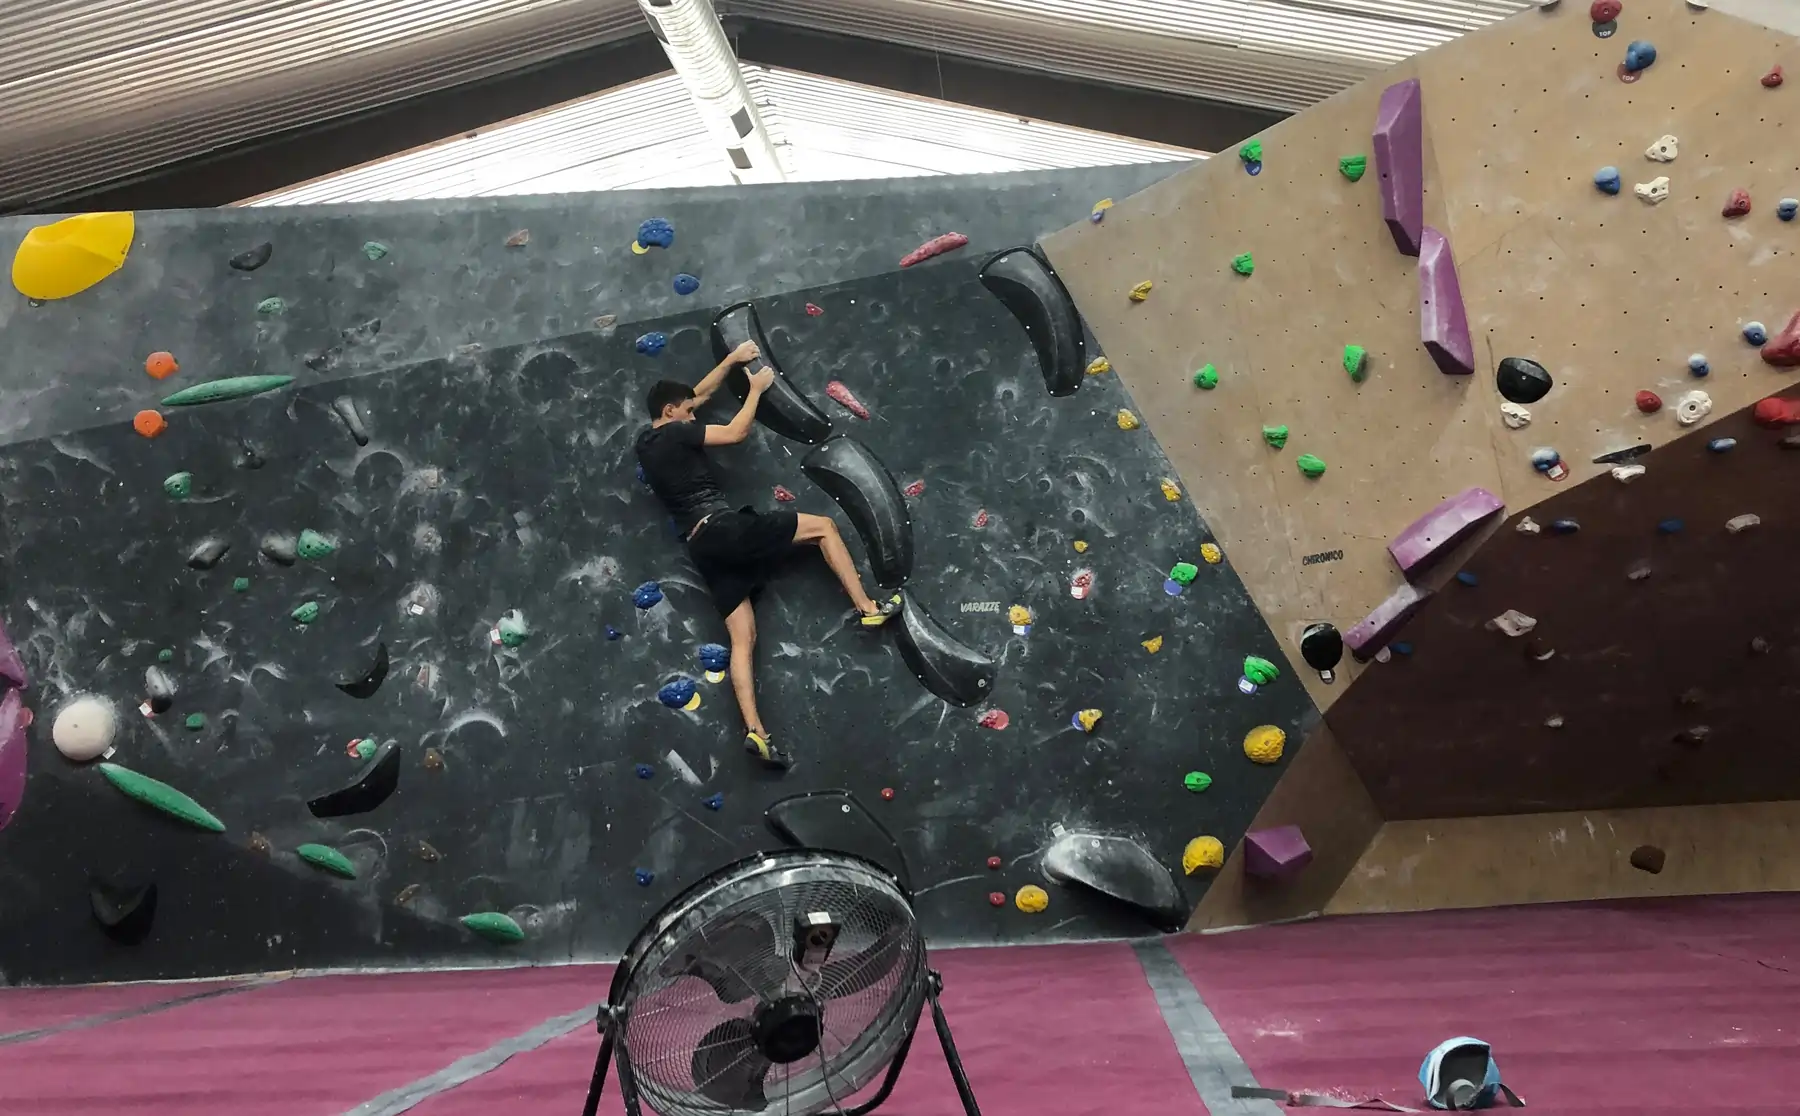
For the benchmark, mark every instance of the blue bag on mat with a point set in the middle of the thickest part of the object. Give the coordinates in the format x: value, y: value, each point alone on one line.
x: 1461, y: 1073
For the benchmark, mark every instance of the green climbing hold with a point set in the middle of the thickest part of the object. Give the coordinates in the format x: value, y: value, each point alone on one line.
x: 1207, y: 378
x: 1310, y: 465
x: 495, y: 927
x: 166, y: 655
x: 1243, y: 264
x: 1356, y: 362
x: 366, y: 747
x: 195, y: 722
x: 1353, y: 167
x: 1260, y: 670
x: 374, y: 249
x: 1184, y: 573
x: 328, y: 859
x: 306, y: 613
x: 513, y: 629
x: 313, y: 546
x: 178, y: 486
x: 1251, y: 152
x: 271, y: 306
x: 240, y: 585
x: 1196, y: 781
x: 1275, y: 435
x: 160, y: 796
x: 233, y: 387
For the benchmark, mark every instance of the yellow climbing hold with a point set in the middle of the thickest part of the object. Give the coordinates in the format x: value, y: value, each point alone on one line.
x: 693, y: 702
x: 1211, y: 554
x: 71, y: 255
x: 1202, y: 852
x: 1018, y: 615
x: 1170, y: 490
x: 1153, y: 644
x: 1087, y: 719
x: 1264, y: 743
x: 1140, y: 292
x: 1031, y: 899
x: 1099, y: 366
x: 1100, y: 207
x: 1081, y: 546
x: 1127, y: 420
x: 638, y: 249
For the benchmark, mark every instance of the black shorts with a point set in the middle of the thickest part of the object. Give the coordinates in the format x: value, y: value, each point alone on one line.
x: 737, y: 552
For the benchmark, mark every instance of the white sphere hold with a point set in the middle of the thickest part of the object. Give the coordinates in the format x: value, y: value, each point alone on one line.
x: 85, y: 728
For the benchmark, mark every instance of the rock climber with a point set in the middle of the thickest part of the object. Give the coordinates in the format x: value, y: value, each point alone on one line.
x: 737, y: 552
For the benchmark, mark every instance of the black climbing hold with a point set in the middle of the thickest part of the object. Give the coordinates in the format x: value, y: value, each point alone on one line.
x: 783, y: 409
x: 365, y: 685
x: 160, y: 687
x: 1121, y: 869
x: 1468, y: 578
x: 1522, y: 381
x: 362, y: 331
x: 282, y: 549
x: 369, y: 789
x: 1671, y: 526
x: 207, y: 552
x: 125, y: 914
x: 836, y: 821
x: 854, y: 477
x: 1623, y: 456
x: 249, y: 455
x: 253, y: 258
x: 345, y: 407
x: 1027, y: 285
x: 1322, y: 646
x: 943, y: 664
x: 323, y: 359
x: 1564, y: 526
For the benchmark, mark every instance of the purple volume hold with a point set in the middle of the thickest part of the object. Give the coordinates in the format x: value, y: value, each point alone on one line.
x: 12, y: 668
x: 1400, y: 158
x: 1443, y: 323
x: 1440, y: 530
x: 1373, y: 631
x: 1273, y: 854
x: 14, y: 719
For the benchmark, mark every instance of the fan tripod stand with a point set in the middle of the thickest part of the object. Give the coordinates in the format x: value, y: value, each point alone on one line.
x: 611, y: 1020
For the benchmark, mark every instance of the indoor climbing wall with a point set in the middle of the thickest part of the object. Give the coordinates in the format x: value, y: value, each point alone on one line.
x: 353, y: 636
x: 1540, y: 276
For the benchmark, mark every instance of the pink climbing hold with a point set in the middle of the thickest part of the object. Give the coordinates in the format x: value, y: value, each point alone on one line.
x: 1275, y: 854
x: 1081, y: 585
x: 1373, y: 631
x: 980, y: 518
x: 936, y: 246
x: 849, y: 402
x: 1440, y: 530
x: 782, y: 494
x: 15, y: 718
x: 916, y: 488
x: 995, y: 719
x: 1737, y: 204
x: 814, y: 311
x: 1443, y: 321
x: 12, y: 668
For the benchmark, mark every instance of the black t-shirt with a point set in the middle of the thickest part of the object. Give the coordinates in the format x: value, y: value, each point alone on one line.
x: 674, y: 459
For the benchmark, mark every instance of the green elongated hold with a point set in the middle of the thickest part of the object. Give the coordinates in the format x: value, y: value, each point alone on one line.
x: 306, y: 613
x: 1251, y: 152
x: 1243, y: 264
x: 1196, y: 781
x: 495, y: 927
x: 178, y: 486
x: 232, y: 387
x: 1207, y: 378
x: 327, y: 859
x: 1260, y: 670
x: 1275, y: 435
x: 1311, y: 465
x: 1184, y: 573
x: 1353, y: 167
x: 1356, y: 362
x: 374, y: 249
x: 271, y: 306
x: 161, y: 796
x: 313, y: 546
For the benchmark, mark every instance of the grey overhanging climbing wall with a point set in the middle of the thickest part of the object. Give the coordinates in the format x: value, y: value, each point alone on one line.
x: 502, y: 479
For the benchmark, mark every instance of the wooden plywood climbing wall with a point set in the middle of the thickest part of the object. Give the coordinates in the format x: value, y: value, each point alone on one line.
x: 1609, y: 293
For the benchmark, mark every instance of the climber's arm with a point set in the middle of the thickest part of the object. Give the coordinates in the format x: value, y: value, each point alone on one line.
x: 714, y: 380
x: 738, y: 428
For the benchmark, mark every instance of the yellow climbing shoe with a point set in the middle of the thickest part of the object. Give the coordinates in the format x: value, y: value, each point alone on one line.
x: 889, y: 609
x: 763, y: 747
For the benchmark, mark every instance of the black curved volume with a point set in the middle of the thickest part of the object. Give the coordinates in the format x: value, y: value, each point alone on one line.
x: 370, y: 788
x: 1025, y: 284
x: 365, y: 684
x: 783, y: 409
x: 943, y: 664
x: 854, y: 477
x: 125, y: 914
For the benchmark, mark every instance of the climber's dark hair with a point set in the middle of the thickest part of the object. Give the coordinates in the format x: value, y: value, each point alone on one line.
x: 667, y: 393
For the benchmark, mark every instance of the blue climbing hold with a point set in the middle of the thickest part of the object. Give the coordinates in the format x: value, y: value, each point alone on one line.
x: 1671, y: 526
x: 645, y: 771
x: 1253, y: 168
x: 714, y: 656
x: 1545, y: 459
x: 1756, y: 333
x: 1467, y: 578
x: 1401, y: 648
x: 655, y: 233
x: 1722, y: 445
x: 613, y: 633
x: 1697, y: 364
x: 686, y: 284
x: 716, y: 802
x: 1639, y: 56
x: 1788, y: 209
x: 677, y: 693
x: 647, y: 595
x: 1172, y: 587
x: 645, y: 877
x: 1607, y: 179
x: 652, y: 343
x: 1564, y: 526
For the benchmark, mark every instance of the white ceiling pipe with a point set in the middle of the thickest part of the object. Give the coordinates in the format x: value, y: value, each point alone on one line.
x: 690, y: 32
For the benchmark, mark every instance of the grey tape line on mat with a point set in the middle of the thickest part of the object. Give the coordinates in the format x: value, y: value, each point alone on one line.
x: 471, y: 1066
x: 101, y: 1020
x: 1212, y: 1062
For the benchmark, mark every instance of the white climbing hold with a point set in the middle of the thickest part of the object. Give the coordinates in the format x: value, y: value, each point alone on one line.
x: 1554, y: 722
x: 1513, y: 622
x: 1692, y: 407
x: 1638, y: 570
x: 1527, y: 526
x: 1663, y: 150
x: 85, y: 728
x: 1515, y: 416
x: 1383, y: 655
x: 1700, y: 4
x: 1742, y: 522
x: 1654, y: 191
x: 1625, y: 474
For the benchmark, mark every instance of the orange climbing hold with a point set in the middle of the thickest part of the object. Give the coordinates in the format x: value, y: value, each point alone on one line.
x: 149, y: 423
x: 161, y: 365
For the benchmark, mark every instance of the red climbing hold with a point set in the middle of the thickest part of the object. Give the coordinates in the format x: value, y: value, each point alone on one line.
x: 995, y: 719
x: 1649, y: 402
x: 936, y: 246
x: 980, y: 518
x: 1773, y: 79
x: 994, y: 863
x: 887, y: 794
x: 813, y: 311
x: 782, y: 494
x: 1605, y: 11
x: 1783, y: 349
x: 1777, y: 412
x: 839, y: 392
x: 996, y: 898
x: 1738, y: 203
x: 916, y: 488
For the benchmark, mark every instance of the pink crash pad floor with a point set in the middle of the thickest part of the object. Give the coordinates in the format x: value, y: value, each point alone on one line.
x: 32, y: 1009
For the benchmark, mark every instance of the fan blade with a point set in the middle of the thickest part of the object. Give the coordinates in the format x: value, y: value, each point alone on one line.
x: 847, y: 975
x: 728, y: 1069
x: 746, y: 936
